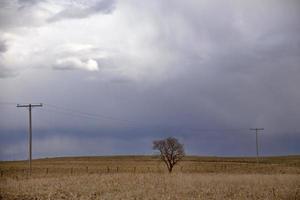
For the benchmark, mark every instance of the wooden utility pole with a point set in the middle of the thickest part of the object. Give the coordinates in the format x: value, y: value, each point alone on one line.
x: 30, y: 106
x: 256, y: 132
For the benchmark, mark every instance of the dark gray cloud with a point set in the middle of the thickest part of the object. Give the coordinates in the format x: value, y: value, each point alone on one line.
x: 4, y: 71
x: 204, y: 72
x: 78, y: 12
x: 33, y: 13
x: 66, y: 142
x: 3, y: 46
x: 15, y: 14
x: 26, y: 3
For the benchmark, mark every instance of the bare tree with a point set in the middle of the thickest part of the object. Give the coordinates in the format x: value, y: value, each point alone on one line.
x: 171, y: 151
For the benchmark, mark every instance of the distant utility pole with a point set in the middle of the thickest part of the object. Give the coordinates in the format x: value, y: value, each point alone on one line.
x: 30, y: 106
x: 256, y: 132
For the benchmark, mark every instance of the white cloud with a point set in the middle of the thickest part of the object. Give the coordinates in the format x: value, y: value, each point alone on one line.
x: 75, y: 63
x: 126, y: 50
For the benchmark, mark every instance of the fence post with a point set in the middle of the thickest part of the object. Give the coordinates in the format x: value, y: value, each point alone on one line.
x: 47, y: 170
x: 134, y: 169
x: 107, y: 169
x: 87, y: 170
x: 72, y: 170
x: 2, y: 173
x: 117, y: 169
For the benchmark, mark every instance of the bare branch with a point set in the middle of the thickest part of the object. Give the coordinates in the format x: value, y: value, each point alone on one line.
x: 171, y: 151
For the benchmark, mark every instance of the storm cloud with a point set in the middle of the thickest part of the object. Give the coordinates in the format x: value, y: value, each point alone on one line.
x: 82, y: 10
x: 133, y: 71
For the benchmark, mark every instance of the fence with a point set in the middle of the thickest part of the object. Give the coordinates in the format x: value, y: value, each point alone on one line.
x: 13, y: 172
x: 204, y: 167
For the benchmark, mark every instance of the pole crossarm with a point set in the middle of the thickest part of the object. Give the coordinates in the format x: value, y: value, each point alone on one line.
x: 30, y: 106
x: 257, y: 129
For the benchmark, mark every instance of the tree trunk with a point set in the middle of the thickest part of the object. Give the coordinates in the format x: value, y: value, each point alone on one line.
x: 170, y: 168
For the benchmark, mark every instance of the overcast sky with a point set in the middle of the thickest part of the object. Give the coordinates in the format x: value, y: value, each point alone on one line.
x: 114, y: 75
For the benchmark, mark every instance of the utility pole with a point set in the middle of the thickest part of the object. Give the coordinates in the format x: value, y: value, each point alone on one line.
x: 30, y: 106
x: 256, y: 132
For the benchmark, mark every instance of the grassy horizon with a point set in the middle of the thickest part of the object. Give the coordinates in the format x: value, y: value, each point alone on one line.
x: 146, y: 177
x: 156, y: 156
x: 152, y: 163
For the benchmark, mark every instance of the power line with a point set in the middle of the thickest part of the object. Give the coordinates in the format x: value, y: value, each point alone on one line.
x: 77, y: 113
x: 217, y: 130
x: 93, y: 115
x: 8, y: 103
x: 256, y: 131
x: 57, y: 111
x: 86, y: 117
x: 30, y: 106
x: 73, y: 113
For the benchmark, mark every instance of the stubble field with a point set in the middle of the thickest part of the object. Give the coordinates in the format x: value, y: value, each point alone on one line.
x: 144, y: 177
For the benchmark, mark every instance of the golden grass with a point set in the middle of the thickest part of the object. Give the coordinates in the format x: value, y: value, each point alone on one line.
x: 145, y: 177
x: 143, y: 164
x: 154, y: 186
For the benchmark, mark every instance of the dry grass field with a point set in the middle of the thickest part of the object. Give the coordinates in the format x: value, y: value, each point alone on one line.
x: 145, y: 177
